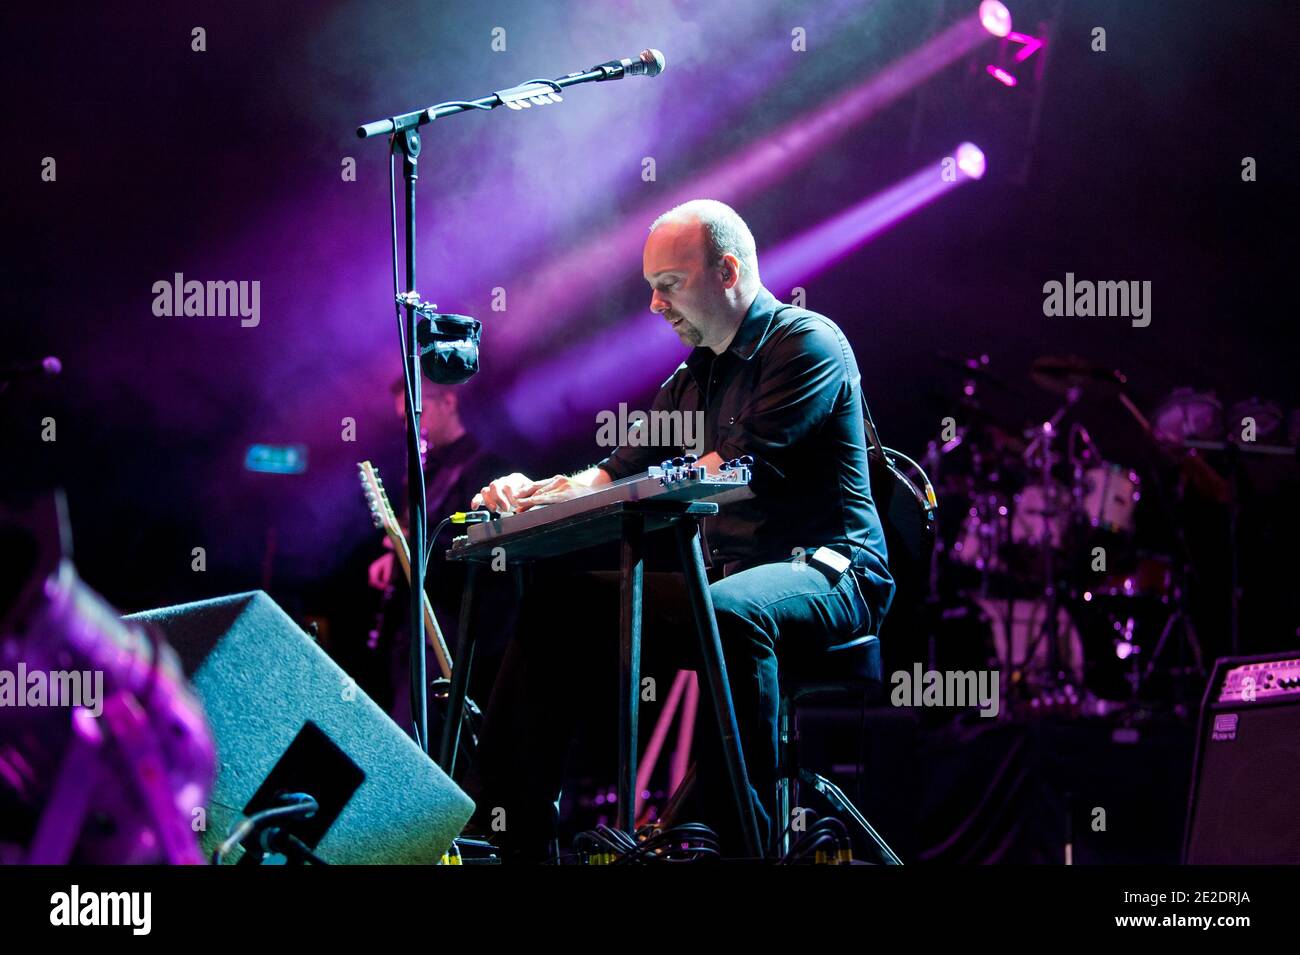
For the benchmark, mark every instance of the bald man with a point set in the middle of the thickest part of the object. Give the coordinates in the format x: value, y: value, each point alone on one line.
x: 801, y: 565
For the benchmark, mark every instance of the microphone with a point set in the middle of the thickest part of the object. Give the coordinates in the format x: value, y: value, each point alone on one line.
x: 44, y: 366
x: 649, y: 63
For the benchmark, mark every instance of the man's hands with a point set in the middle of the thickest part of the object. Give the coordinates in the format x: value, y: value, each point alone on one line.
x: 381, y: 569
x: 518, y: 492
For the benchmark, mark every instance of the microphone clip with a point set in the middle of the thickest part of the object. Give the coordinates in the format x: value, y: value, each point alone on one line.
x: 532, y: 93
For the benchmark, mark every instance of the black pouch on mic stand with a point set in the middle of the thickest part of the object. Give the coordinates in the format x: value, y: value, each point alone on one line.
x: 448, y: 347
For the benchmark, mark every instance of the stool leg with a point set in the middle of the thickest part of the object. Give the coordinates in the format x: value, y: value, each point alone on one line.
x: 706, y: 624
x: 784, y: 774
x: 793, y: 777
x: 842, y: 804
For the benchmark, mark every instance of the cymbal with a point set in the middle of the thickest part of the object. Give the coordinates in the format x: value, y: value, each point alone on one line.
x: 1059, y: 374
x: 976, y: 367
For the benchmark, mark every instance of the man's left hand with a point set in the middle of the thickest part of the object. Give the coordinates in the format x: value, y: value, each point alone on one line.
x: 552, y: 491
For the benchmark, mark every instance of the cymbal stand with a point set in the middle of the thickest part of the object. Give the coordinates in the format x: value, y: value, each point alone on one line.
x: 1040, y: 453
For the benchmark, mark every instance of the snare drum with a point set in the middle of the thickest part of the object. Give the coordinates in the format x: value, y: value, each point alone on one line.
x: 1042, y: 512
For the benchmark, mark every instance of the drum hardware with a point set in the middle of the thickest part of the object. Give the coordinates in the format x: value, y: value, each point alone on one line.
x: 1041, y: 455
x: 1127, y: 648
x: 978, y: 490
x: 1179, y: 621
x: 1233, y: 451
x: 1187, y: 424
x: 1150, y: 577
x: 1024, y: 522
x: 1182, y: 415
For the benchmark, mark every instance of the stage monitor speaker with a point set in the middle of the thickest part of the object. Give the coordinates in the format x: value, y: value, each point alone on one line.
x: 286, y: 717
x: 1244, y: 805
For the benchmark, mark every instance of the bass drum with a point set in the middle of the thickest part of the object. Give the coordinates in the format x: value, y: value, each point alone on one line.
x: 1019, y: 626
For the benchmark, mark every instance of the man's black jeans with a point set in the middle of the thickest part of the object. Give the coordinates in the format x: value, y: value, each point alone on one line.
x: 562, y: 667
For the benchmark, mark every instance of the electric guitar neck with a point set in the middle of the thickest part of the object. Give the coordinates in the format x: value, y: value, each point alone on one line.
x: 381, y: 512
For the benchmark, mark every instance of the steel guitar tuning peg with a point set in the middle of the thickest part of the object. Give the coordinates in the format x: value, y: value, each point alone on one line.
x: 678, y: 462
x: 746, y: 460
x: 689, y: 459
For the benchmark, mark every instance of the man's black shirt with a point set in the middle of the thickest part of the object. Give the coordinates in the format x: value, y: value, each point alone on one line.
x: 787, y: 392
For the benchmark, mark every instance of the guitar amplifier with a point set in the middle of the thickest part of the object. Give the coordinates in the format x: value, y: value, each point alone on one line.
x: 1245, y: 793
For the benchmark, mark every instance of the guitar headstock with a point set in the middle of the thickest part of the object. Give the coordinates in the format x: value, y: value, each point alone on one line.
x: 381, y: 510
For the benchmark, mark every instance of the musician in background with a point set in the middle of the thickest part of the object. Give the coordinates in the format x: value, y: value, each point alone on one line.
x: 456, y: 464
x: 802, y: 564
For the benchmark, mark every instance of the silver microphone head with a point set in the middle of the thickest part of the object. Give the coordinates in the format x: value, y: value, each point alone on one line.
x: 651, y: 63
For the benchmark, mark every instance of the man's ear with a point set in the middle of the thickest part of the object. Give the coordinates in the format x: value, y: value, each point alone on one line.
x: 730, y: 269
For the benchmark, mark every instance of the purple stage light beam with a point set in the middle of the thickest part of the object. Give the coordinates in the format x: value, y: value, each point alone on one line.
x: 749, y: 170
x: 562, y: 395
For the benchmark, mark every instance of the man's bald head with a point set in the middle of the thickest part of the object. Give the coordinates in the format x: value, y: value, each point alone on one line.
x: 723, y: 232
x: 702, y: 267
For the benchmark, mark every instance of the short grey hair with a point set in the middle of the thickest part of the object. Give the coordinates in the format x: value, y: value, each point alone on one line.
x: 725, y: 230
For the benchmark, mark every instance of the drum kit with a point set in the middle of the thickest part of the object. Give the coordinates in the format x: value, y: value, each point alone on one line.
x: 1039, y: 557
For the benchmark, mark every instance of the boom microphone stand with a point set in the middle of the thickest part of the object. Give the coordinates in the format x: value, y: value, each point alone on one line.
x: 404, y: 130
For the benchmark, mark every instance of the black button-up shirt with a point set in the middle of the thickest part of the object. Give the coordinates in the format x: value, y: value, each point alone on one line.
x: 787, y: 392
